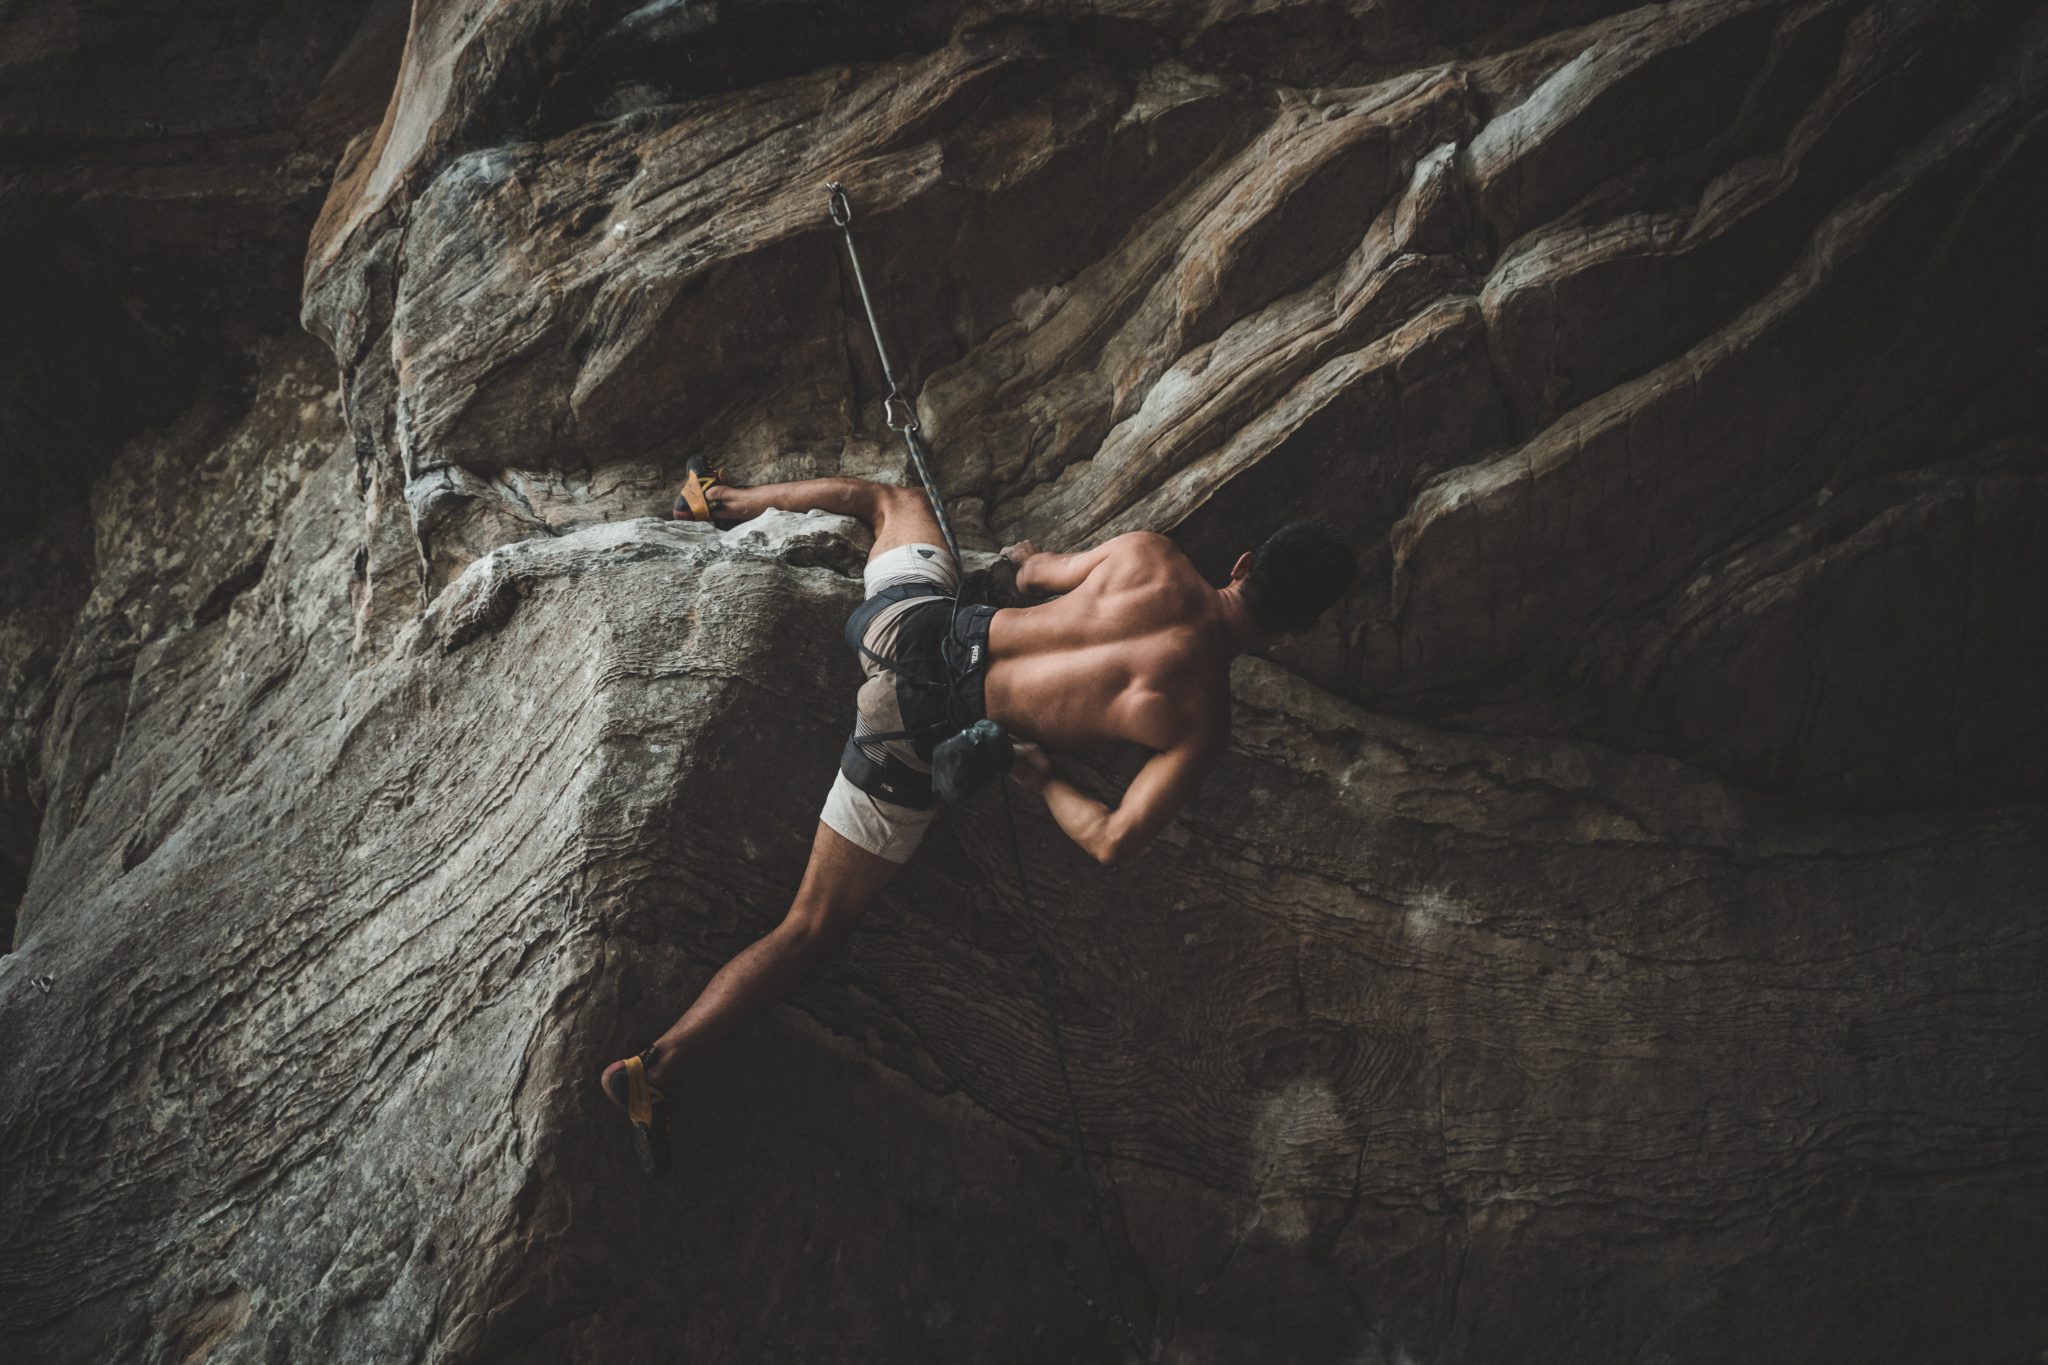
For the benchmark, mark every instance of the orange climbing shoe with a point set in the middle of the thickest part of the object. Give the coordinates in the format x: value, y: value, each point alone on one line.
x: 693, y: 502
x: 626, y: 1084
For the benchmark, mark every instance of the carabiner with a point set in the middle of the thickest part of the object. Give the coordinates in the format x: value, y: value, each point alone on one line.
x: 898, y: 412
x: 836, y: 203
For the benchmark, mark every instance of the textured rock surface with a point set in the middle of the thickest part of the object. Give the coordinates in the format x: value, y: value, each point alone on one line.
x: 1619, y: 935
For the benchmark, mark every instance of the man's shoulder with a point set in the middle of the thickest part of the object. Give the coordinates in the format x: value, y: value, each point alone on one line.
x: 1141, y: 542
x: 1147, y: 551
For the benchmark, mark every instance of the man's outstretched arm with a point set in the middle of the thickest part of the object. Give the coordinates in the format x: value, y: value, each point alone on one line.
x: 1111, y: 835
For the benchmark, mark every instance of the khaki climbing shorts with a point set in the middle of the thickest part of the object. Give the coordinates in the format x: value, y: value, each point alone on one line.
x: 882, y: 798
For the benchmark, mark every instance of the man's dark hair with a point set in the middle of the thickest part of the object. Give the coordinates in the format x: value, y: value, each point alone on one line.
x: 1296, y: 574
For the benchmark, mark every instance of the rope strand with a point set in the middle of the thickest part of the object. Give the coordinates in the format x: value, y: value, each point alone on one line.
x: 1050, y: 987
x: 900, y: 415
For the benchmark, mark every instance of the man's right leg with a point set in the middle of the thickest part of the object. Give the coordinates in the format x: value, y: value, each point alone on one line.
x: 898, y: 516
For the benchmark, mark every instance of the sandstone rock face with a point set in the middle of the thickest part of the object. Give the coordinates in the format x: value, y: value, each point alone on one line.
x: 1617, y: 934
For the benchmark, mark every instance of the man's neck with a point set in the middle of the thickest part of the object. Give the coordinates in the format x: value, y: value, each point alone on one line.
x: 1241, y: 631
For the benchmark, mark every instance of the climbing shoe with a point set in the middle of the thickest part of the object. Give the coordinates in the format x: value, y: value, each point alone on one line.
x: 693, y: 502
x: 627, y: 1084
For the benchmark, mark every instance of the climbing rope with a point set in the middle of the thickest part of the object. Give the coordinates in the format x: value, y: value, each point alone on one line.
x: 900, y: 413
x: 1050, y: 985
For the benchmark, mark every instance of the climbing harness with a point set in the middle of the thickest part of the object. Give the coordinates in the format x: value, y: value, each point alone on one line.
x: 934, y: 705
x: 979, y: 750
x: 966, y: 760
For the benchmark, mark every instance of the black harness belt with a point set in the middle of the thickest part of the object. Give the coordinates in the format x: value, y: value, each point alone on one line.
x: 941, y: 664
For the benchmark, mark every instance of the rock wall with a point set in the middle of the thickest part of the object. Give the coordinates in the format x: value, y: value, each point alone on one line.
x: 1617, y: 935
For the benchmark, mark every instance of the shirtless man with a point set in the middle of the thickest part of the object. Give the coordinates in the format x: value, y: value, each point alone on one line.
x: 1136, y: 646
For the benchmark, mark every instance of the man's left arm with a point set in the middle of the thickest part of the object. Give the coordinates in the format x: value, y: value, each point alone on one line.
x: 1113, y: 834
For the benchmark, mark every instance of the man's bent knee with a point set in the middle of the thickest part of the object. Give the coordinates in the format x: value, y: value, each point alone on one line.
x: 903, y: 516
x: 897, y: 497
x: 891, y: 501
x: 813, y: 927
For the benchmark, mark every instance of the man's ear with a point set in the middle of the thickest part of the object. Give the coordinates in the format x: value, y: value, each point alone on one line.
x: 1241, y: 568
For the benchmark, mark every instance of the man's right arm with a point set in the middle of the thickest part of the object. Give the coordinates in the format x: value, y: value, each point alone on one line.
x: 1111, y: 834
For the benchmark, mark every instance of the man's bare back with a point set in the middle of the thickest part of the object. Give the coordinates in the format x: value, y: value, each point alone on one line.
x: 1138, y: 649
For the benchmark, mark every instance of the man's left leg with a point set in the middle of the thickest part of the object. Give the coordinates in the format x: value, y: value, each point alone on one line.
x: 843, y: 876
x: 896, y: 515
x: 841, y: 880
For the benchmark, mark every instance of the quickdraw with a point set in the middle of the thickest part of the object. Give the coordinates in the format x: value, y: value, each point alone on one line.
x: 897, y: 409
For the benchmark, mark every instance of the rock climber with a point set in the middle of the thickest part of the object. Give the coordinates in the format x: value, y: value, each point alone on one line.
x: 1133, y: 645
